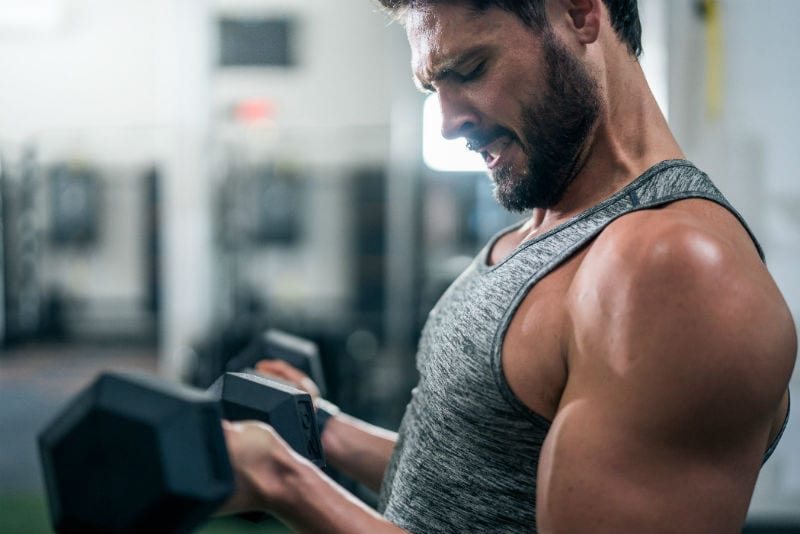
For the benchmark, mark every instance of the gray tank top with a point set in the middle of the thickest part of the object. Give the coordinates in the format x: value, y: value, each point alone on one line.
x: 468, y: 449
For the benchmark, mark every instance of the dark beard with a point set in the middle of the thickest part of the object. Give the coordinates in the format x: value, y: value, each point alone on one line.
x: 555, y: 133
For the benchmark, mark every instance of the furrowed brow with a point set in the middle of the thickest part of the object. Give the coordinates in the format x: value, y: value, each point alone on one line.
x: 446, y: 68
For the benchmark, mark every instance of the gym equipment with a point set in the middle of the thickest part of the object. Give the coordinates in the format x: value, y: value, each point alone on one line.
x: 134, y: 454
x: 289, y: 410
x: 279, y: 345
x: 246, y: 396
x: 131, y: 453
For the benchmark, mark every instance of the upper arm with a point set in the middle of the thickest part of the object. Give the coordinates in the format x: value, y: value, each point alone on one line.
x: 680, y: 354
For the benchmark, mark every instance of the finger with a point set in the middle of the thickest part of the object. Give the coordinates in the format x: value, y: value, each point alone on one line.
x: 232, y: 432
x: 241, y: 427
x: 231, y: 428
x: 281, y: 369
x: 284, y: 371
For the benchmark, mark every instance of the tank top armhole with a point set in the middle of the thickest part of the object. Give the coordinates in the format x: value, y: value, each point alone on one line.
x: 499, y: 374
x: 779, y: 435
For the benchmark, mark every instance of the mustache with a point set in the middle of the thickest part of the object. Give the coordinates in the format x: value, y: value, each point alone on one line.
x: 477, y: 140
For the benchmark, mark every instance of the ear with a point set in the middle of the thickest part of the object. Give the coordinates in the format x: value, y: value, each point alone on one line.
x: 584, y: 17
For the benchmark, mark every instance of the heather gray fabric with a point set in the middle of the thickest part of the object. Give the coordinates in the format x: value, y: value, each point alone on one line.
x: 468, y: 449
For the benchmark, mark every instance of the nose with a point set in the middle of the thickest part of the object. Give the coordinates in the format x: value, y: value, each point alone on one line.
x: 458, y: 117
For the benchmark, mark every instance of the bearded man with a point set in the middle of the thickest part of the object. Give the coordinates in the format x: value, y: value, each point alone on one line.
x: 616, y: 363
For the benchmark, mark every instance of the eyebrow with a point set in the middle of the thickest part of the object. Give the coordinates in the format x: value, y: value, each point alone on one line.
x: 445, y: 68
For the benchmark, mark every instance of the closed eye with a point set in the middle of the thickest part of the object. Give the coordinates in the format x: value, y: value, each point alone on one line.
x: 451, y: 70
x: 475, y: 73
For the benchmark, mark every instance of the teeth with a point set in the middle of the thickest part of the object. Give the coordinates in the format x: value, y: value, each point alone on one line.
x: 498, y: 147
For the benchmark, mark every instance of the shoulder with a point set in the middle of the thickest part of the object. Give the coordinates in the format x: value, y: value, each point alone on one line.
x: 672, y: 257
x: 648, y: 256
x: 680, y: 350
x: 681, y: 293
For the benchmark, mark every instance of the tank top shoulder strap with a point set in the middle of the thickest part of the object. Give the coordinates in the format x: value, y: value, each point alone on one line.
x: 661, y: 184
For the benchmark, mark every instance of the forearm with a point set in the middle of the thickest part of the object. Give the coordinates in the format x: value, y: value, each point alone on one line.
x: 271, y: 476
x: 317, y: 505
x: 358, y: 449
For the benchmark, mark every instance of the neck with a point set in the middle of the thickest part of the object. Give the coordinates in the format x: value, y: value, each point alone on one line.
x: 631, y: 136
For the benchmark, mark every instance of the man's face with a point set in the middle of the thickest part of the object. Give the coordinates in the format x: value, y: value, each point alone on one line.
x: 519, y: 98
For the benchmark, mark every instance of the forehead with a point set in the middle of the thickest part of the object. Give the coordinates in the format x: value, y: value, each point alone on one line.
x: 440, y: 32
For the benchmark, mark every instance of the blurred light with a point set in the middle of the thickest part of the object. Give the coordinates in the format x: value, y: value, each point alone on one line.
x: 253, y: 110
x: 30, y: 15
x: 441, y: 154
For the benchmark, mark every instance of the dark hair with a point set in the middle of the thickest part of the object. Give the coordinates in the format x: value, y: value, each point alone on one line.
x: 624, y: 15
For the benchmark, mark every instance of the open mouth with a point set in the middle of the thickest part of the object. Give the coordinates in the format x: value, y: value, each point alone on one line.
x: 492, y: 152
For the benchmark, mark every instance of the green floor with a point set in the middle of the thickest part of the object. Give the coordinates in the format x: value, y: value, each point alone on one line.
x: 27, y: 514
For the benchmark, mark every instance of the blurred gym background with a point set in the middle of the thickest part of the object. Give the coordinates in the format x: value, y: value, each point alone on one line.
x: 177, y: 176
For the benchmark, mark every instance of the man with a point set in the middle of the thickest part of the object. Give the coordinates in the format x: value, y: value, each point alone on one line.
x: 617, y: 363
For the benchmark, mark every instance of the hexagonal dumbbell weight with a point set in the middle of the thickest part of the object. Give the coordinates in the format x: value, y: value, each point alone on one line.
x: 131, y: 453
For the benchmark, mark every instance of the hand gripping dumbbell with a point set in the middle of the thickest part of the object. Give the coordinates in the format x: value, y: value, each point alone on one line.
x: 289, y: 410
x: 278, y: 345
x: 133, y: 454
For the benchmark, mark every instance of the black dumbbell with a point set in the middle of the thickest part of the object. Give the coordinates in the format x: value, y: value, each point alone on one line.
x: 249, y: 395
x: 289, y: 410
x: 131, y: 453
x: 278, y: 345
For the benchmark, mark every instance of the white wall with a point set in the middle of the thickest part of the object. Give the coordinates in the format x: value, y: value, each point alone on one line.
x: 96, y: 70
x: 751, y: 151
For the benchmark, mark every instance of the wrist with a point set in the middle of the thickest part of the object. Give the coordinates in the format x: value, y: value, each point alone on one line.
x: 284, y: 493
x: 326, y: 411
